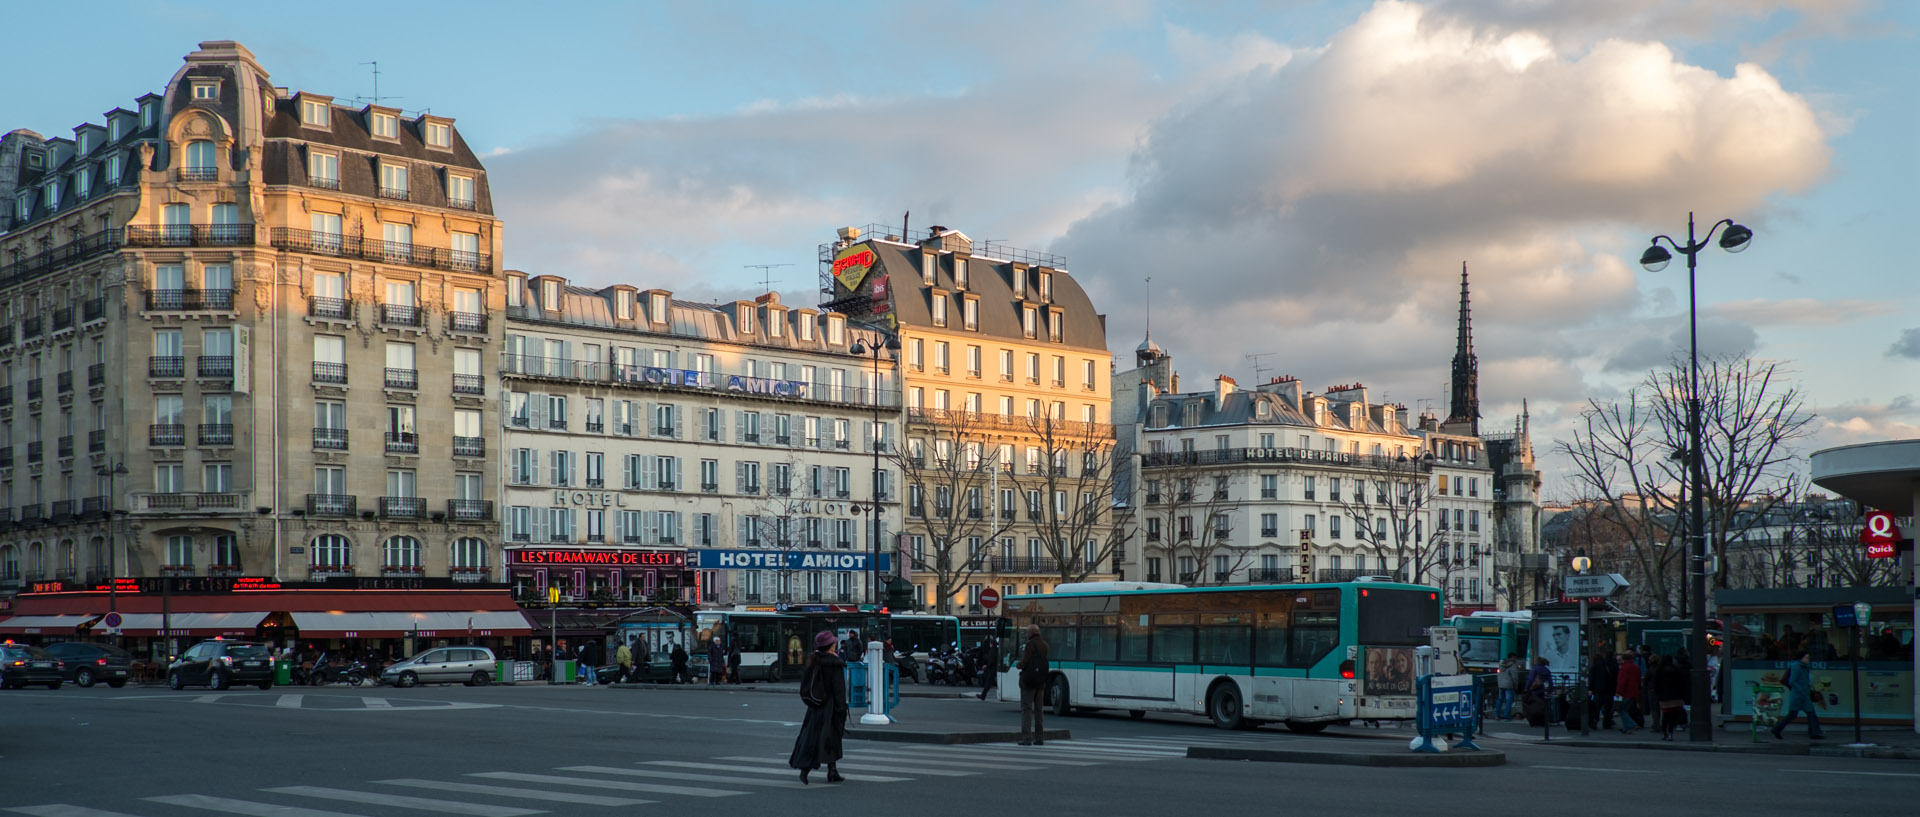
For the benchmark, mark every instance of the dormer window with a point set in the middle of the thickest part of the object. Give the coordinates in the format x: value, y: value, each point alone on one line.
x: 550, y: 295
x: 146, y: 114
x: 33, y: 158
x: 1056, y: 325
x: 806, y: 326
x: 1019, y: 282
x: 23, y: 206
x: 83, y: 184
x: 1028, y: 318
x: 114, y: 129
x: 657, y: 307
x: 316, y: 114
x: 386, y: 126
x: 439, y: 135
x: 939, y: 308
x: 86, y: 143
x: 776, y: 318
x: 1046, y: 286
x: 928, y: 264
x: 323, y: 170
x: 836, y: 329
x: 623, y: 305
x: 393, y: 181
x: 960, y: 273
x: 516, y: 291
x: 206, y: 90
x: 460, y: 191
x: 744, y: 317
x: 113, y: 171
x: 53, y: 195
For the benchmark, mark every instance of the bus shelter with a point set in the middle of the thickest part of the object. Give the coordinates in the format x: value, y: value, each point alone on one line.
x: 1767, y: 628
x: 1883, y: 476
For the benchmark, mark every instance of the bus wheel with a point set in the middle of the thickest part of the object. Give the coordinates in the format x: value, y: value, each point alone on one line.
x: 1306, y: 728
x: 1223, y: 705
x: 1062, y: 696
x: 1136, y: 714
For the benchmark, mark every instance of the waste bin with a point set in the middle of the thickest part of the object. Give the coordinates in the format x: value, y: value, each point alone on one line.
x: 502, y: 671
x: 563, y: 671
x: 283, y: 672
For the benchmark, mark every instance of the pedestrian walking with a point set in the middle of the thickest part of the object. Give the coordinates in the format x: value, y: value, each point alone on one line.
x: 1602, y: 675
x: 1513, y: 672
x: 1033, y: 688
x: 823, y: 688
x: 990, y: 650
x: 681, y: 674
x: 1670, y: 690
x: 1626, y: 693
x: 733, y: 663
x: 1537, y: 689
x: 623, y: 656
x: 716, y: 662
x: 642, y: 659
x: 590, y: 663
x: 1800, y: 699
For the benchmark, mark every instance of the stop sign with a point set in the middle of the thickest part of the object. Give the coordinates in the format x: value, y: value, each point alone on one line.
x: 989, y: 598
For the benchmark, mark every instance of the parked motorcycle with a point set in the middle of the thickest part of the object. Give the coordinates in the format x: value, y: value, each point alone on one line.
x: 354, y: 674
x: 939, y: 669
x: 909, y: 668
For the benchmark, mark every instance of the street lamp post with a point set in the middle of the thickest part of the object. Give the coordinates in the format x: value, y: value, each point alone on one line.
x: 111, y: 470
x: 876, y: 350
x: 1584, y: 683
x: 1734, y: 239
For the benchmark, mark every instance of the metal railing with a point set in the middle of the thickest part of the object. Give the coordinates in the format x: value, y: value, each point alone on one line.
x: 1344, y: 574
x: 167, y: 434
x: 329, y: 372
x: 216, y: 365
x: 321, y: 306
x: 470, y: 510
x: 189, y: 300
x: 1008, y: 422
x: 400, y: 314
x: 403, y: 507
x: 216, y: 434
x: 332, y: 504
x: 403, y: 442
x: 1169, y: 459
x: 469, y: 446
x: 469, y: 384
x: 330, y: 439
x: 189, y: 235
x: 96, y: 374
x: 369, y: 249
x: 162, y: 366
x: 1270, y: 575
x: 403, y: 378
x: 473, y: 322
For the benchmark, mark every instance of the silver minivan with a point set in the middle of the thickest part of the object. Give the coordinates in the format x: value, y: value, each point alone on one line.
x: 473, y: 666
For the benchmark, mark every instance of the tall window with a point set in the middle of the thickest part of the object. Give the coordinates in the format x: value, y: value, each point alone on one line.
x: 400, y: 552
x: 323, y: 170
x: 331, y: 550
x: 469, y: 554
x: 179, y: 551
x: 200, y: 162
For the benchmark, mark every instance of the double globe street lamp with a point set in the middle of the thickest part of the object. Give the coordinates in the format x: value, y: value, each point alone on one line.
x: 877, y: 349
x: 1734, y: 239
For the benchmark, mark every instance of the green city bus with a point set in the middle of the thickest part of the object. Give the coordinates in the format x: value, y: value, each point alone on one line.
x: 1306, y: 655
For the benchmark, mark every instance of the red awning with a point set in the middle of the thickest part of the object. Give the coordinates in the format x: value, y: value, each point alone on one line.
x: 438, y: 624
x: 61, y: 624
x: 202, y: 625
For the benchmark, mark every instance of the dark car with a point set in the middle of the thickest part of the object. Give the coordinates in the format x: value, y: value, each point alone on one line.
x: 22, y: 666
x: 221, y: 664
x: 89, y: 663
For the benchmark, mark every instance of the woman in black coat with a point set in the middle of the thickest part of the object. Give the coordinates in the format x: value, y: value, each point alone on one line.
x: 1670, y: 691
x: 823, y: 688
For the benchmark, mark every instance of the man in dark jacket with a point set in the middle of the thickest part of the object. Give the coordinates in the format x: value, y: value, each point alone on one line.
x: 1602, y: 673
x: 1033, y: 688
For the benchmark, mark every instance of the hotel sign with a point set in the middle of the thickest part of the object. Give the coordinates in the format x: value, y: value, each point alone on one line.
x: 694, y: 379
x: 786, y: 560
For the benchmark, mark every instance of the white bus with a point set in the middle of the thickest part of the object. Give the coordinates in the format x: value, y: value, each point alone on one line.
x: 1306, y: 655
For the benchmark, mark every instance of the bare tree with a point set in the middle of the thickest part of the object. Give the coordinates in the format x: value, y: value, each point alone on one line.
x: 1810, y: 543
x: 1388, y: 502
x: 1068, y: 487
x: 1625, y: 472
x: 1188, y: 515
x: 952, y: 471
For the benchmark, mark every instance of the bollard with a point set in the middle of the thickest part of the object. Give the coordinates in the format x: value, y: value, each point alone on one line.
x: 876, y: 686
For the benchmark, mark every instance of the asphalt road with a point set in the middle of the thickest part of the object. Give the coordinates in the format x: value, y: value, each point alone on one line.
x: 509, y: 751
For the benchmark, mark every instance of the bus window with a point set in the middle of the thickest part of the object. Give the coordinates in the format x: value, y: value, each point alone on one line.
x: 1133, y: 640
x: 1099, y: 638
x: 1059, y: 632
x: 1396, y: 618
x: 1270, y: 640
x: 1173, y: 638
x: 1314, y: 635
x: 1225, y: 638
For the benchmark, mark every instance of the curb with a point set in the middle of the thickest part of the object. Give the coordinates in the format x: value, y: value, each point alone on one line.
x: 1878, y: 752
x: 1466, y: 759
x: 948, y: 738
x: 761, y: 688
x: 1678, y: 746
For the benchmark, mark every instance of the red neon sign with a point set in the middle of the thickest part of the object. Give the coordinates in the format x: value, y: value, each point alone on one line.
x: 640, y: 558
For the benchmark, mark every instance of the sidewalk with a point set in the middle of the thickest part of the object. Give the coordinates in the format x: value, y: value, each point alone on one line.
x: 1881, y: 741
x: 793, y: 688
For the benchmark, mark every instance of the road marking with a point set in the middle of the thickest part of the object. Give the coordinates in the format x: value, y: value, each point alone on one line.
x: 682, y: 764
x: 376, y: 703
x: 688, y: 777
x: 605, y: 784
x: 64, y: 810
x: 420, y: 803
x: 254, y: 808
x: 1023, y: 755
x: 1592, y: 769
x: 524, y: 794
x: 1087, y: 750
x: 289, y: 701
x: 887, y: 757
x: 1862, y: 774
x: 207, y: 699
x: 870, y: 767
x: 1056, y: 752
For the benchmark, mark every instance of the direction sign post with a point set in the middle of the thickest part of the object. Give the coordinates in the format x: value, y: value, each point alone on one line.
x: 989, y: 598
x: 1596, y: 586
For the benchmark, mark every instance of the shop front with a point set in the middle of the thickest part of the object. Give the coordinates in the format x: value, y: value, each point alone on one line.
x: 631, y: 577
x: 155, y: 618
x: 1767, y: 629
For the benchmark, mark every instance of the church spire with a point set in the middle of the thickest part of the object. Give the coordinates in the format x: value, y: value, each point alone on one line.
x: 1464, y: 408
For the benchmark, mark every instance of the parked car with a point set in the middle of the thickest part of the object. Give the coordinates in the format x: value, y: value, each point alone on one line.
x: 22, y: 665
x: 89, y: 663
x: 221, y: 664
x: 473, y: 666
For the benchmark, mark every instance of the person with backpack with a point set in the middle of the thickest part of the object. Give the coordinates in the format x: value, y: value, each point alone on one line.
x: 1033, y: 688
x: 1512, y: 672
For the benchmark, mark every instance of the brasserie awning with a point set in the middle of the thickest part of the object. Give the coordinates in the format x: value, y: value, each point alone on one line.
x: 203, y: 625
x: 442, y: 624
x: 65, y: 624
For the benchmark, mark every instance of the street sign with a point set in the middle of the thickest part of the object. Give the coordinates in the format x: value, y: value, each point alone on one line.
x: 1446, y: 649
x: 989, y: 598
x: 1597, y: 586
x: 1880, y: 535
x: 1862, y: 611
x: 113, y: 621
x: 1843, y: 616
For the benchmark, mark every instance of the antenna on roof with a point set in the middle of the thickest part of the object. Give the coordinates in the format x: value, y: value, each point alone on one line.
x: 1260, y: 370
x: 766, y: 274
x: 375, y: 99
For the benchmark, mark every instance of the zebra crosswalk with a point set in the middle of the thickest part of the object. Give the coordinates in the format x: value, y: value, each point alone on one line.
x: 518, y: 793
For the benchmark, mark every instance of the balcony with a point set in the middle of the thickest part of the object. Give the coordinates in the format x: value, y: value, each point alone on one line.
x: 216, y: 434
x: 403, y: 378
x: 469, y: 446
x: 93, y: 309
x: 35, y: 389
x: 1031, y: 564
x: 400, y: 314
x: 401, y: 571
x: 324, y: 182
x: 403, y: 442
x: 63, y: 510
x: 330, y: 439
x: 163, y: 366
x: 167, y: 434
x: 320, y: 306
x: 1270, y: 575
x: 32, y: 514
x: 64, y: 447
x: 470, y: 510
x: 190, y: 235
x: 63, y: 382
x: 1231, y: 456
x: 198, y: 174
x: 30, y: 327
x: 369, y: 249
x: 329, y: 372
x: 63, y: 318
x: 323, y: 572
x: 470, y: 322
x: 216, y: 365
x: 332, y: 505
x: 189, y: 300
x: 396, y: 193
x: 93, y: 507
x: 97, y: 374
x: 1343, y: 574
x: 403, y: 507
x: 596, y: 427
x: 469, y: 384
x: 224, y: 570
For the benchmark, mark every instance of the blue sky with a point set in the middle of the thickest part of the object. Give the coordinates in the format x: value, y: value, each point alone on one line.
x: 1300, y: 178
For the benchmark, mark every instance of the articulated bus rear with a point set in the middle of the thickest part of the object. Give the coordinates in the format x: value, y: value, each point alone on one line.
x: 1304, y: 655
